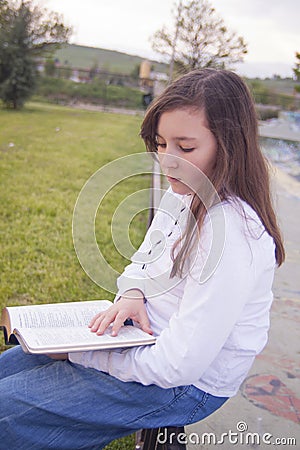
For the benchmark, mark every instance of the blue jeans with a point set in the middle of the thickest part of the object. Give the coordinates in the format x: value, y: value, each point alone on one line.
x: 48, y: 404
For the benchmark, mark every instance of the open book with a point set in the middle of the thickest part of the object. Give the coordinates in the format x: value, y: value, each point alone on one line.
x: 63, y: 327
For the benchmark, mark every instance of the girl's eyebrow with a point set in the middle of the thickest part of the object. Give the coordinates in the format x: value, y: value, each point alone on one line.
x: 179, y: 138
x: 185, y: 138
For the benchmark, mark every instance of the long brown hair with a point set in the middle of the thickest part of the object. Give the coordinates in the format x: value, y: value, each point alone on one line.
x: 241, y: 169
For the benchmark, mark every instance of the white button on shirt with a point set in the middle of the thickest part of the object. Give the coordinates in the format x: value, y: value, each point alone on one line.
x: 211, y: 323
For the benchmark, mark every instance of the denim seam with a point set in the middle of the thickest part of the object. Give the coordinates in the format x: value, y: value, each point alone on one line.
x: 171, y: 403
x: 199, y: 406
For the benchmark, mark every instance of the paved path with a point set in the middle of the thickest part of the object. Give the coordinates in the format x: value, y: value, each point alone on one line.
x: 109, y: 109
x: 279, y: 129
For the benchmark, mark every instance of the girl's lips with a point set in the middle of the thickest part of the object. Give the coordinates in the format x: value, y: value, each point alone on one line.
x: 172, y: 180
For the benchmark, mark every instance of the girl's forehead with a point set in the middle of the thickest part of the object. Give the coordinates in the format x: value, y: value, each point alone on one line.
x: 182, y: 119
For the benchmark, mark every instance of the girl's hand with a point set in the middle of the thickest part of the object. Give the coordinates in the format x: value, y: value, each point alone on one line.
x: 129, y: 306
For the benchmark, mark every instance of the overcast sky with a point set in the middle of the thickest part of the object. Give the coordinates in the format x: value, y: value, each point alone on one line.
x: 271, y: 28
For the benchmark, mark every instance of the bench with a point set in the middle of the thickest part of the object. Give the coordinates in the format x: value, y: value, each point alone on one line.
x: 170, y: 439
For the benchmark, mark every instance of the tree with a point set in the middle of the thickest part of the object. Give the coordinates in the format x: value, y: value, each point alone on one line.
x: 296, y: 69
x: 26, y: 33
x: 50, y: 67
x: 199, y: 39
x: 136, y: 71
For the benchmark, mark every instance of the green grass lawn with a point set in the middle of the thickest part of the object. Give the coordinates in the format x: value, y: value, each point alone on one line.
x: 47, y: 153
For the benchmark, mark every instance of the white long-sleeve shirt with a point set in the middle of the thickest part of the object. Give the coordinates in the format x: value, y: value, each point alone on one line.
x: 211, y: 323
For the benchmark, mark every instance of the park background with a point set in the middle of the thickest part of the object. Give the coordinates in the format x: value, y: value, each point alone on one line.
x: 85, y: 111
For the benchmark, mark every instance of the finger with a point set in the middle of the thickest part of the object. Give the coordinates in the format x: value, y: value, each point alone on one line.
x: 105, y: 316
x: 97, y: 322
x: 118, y: 323
x: 100, y: 327
x: 144, y: 323
x: 103, y: 321
x: 93, y: 320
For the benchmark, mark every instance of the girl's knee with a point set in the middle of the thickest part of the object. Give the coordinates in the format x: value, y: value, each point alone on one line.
x: 14, y: 360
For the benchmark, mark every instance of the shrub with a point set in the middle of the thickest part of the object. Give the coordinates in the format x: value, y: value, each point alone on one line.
x: 97, y: 91
x: 265, y: 113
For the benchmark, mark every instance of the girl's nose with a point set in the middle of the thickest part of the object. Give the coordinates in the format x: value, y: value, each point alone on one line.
x: 168, y: 160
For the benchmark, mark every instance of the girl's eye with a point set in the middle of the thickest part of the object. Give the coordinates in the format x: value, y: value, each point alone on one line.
x: 160, y: 145
x: 184, y: 149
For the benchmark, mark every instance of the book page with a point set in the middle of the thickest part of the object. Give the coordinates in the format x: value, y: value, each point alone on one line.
x: 77, y: 339
x: 56, y: 314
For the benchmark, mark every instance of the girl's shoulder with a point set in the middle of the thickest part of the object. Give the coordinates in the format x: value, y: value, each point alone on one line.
x: 231, y: 231
x: 237, y: 214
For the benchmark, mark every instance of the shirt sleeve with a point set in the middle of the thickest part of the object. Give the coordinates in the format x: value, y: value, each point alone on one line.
x: 198, y: 330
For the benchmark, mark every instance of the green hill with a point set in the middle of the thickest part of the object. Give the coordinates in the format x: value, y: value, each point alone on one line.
x: 82, y: 57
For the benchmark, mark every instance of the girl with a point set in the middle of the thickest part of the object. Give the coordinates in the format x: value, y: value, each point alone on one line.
x: 201, y: 282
